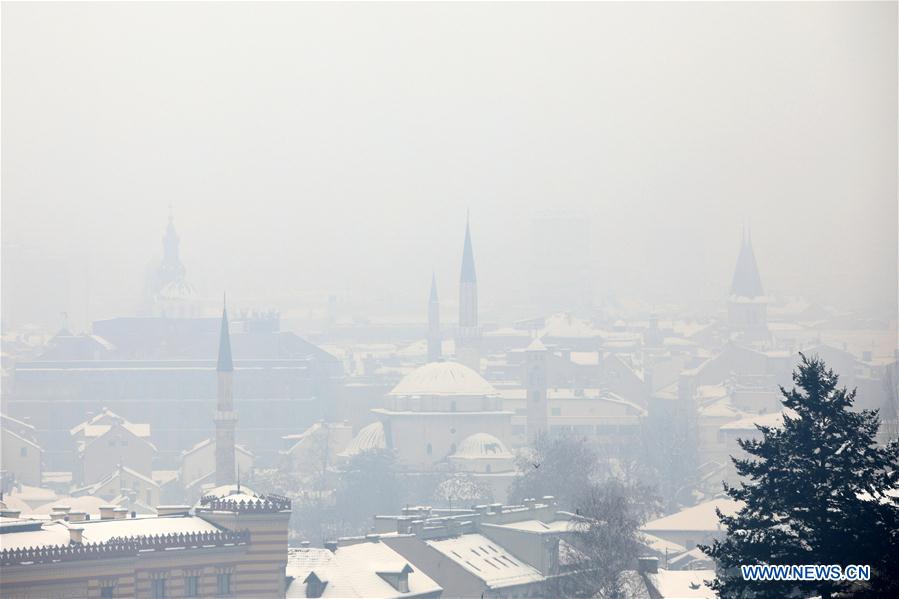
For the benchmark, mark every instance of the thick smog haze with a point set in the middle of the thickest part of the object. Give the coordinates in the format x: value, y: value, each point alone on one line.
x: 449, y: 300
x: 311, y: 150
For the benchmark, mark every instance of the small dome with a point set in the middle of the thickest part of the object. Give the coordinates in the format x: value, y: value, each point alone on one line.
x: 370, y: 437
x: 482, y: 446
x: 445, y: 379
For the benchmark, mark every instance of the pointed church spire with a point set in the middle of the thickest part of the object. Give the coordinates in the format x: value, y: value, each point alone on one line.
x: 468, y: 272
x: 746, y: 281
x: 224, y: 362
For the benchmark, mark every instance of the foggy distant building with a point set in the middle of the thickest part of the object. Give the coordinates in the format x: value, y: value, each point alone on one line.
x: 106, y: 442
x: 435, y: 408
x: 22, y: 457
x: 158, y: 370
x: 167, y: 291
x: 535, y: 377
x: 468, y: 350
x: 435, y: 342
x: 747, y: 306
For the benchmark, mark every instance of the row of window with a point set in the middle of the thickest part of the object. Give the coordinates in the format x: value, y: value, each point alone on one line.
x: 191, y: 587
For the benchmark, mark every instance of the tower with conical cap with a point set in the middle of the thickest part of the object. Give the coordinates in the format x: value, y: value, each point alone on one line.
x: 225, y: 416
x: 468, y: 340
x: 435, y: 350
x: 747, y: 306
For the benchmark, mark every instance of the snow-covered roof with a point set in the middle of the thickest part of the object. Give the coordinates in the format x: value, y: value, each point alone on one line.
x: 446, y: 379
x: 99, y: 531
x: 480, y: 446
x: 486, y: 560
x: 662, y: 546
x: 683, y: 584
x: 772, y: 419
x: 353, y: 571
x: 370, y: 437
x: 101, y: 423
x: 585, y: 358
x: 700, y: 517
x: 538, y: 526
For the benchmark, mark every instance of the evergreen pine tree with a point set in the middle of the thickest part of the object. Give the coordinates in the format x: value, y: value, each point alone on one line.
x: 818, y: 490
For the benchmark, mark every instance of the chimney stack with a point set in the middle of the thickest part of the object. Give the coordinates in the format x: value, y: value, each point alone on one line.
x: 648, y: 565
x: 75, y: 537
x: 106, y: 512
x: 120, y: 513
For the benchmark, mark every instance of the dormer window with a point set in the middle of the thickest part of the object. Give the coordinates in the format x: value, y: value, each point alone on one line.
x: 315, y: 586
x: 398, y: 579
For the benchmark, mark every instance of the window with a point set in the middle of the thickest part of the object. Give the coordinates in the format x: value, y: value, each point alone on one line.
x: 192, y: 586
x: 23, y: 451
x: 106, y: 592
x: 556, y: 411
x: 224, y: 584
x: 429, y: 449
x: 157, y: 588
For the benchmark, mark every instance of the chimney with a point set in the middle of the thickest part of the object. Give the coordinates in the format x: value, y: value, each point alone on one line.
x: 106, y: 512
x: 56, y: 516
x: 63, y: 509
x: 76, y: 517
x: 172, y: 510
x: 120, y: 513
x: 648, y: 565
x: 75, y: 535
x: 9, y: 513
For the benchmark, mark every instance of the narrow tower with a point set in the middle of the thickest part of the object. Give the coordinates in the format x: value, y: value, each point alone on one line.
x: 747, y: 306
x: 225, y: 416
x: 434, y: 342
x: 468, y: 342
x: 535, y: 380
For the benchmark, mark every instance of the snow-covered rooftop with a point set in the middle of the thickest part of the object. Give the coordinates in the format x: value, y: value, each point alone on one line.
x: 353, y: 571
x: 446, y: 379
x: 700, y: 517
x: 486, y: 560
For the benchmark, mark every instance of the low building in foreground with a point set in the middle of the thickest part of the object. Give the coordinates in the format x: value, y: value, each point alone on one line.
x: 233, y: 543
x: 486, y: 551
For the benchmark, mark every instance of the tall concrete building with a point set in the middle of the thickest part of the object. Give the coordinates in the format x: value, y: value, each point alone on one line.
x: 435, y: 350
x: 535, y: 377
x: 468, y: 341
x: 225, y: 416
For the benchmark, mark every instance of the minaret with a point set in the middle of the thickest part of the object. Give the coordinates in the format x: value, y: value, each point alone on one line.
x: 467, y: 344
x: 171, y: 268
x: 535, y: 380
x: 434, y: 342
x: 225, y: 416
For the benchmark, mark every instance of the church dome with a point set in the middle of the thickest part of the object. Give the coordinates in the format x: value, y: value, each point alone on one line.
x: 445, y: 379
x: 370, y: 437
x: 482, y: 446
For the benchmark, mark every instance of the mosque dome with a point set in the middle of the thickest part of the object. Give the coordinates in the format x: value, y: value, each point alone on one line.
x: 443, y: 379
x: 482, y: 446
x: 370, y: 437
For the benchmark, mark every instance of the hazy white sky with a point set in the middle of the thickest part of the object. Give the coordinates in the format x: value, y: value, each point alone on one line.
x: 334, y: 148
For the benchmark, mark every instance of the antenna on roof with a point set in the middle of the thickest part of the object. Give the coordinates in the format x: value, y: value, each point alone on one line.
x: 238, y: 478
